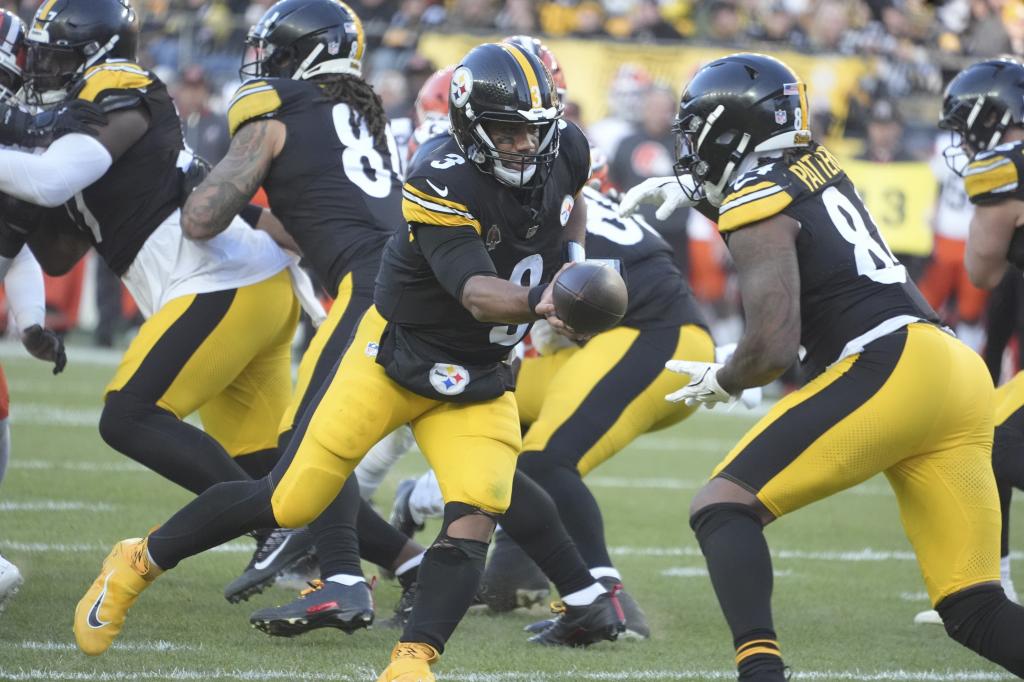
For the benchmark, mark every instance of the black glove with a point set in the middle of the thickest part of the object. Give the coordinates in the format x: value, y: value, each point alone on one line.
x: 18, y: 127
x: 44, y: 344
x: 193, y: 176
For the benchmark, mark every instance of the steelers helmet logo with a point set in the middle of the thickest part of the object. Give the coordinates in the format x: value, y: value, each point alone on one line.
x: 462, y: 86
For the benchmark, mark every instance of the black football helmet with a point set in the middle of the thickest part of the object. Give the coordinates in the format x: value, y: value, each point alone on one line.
x: 69, y: 36
x: 736, y: 106
x: 302, y: 39
x: 502, y: 82
x: 12, y: 54
x: 980, y: 103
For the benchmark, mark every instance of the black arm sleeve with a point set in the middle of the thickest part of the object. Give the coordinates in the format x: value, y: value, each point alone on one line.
x: 455, y: 254
x: 11, y: 240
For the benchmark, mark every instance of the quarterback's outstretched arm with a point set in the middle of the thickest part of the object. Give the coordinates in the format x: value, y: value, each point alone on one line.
x: 988, y: 241
x: 232, y: 182
x: 769, y: 277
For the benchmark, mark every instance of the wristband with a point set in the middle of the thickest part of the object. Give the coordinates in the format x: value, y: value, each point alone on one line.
x: 251, y: 213
x: 533, y: 298
x: 574, y: 252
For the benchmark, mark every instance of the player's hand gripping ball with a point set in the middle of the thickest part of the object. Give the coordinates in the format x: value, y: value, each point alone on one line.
x: 589, y: 297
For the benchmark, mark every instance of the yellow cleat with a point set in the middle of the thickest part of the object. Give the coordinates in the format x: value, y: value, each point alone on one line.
x: 100, y: 614
x: 410, y: 662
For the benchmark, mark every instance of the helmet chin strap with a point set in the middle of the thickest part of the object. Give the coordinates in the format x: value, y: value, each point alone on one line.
x: 715, y: 192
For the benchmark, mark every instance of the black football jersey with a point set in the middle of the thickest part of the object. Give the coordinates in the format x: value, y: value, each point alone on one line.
x: 659, y: 296
x: 336, y: 191
x: 522, y: 232
x: 994, y: 175
x: 119, y: 211
x: 850, y: 282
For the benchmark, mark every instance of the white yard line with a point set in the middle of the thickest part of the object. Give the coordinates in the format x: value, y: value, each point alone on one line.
x: 701, y: 572
x: 85, y: 548
x: 106, y: 357
x: 506, y: 676
x: 46, y: 415
x: 126, y: 466
x: 56, y: 505
x: 156, y: 646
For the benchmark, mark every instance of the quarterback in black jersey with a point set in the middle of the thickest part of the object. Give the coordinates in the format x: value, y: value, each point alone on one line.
x: 813, y: 270
x: 119, y: 191
x: 457, y: 399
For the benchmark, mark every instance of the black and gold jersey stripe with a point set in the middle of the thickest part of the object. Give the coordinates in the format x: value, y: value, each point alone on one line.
x: 993, y: 176
x: 112, y: 76
x: 751, y: 204
x: 253, y: 100
x: 421, y: 207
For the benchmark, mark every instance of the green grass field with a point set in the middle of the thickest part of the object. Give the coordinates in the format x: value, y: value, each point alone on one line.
x: 846, y: 590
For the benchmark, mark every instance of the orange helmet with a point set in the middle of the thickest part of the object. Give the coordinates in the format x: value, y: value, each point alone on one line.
x: 546, y: 56
x: 432, y: 99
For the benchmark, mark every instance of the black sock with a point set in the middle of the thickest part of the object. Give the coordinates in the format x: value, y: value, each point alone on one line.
x: 222, y: 513
x: 334, y: 532
x: 1008, y: 467
x: 161, y: 442
x: 985, y: 621
x: 260, y: 463
x: 532, y: 521
x: 731, y: 537
x: 379, y: 542
x: 577, y: 507
x: 449, y: 578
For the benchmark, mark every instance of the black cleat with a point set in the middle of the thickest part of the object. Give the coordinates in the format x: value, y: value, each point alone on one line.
x: 324, y: 605
x: 578, y: 626
x: 401, y: 517
x: 511, y: 579
x: 636, y: 621
x: 404, y: 607
x: 277, y: 552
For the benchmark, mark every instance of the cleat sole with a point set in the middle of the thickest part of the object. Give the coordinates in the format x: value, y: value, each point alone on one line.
x: 293, y: 627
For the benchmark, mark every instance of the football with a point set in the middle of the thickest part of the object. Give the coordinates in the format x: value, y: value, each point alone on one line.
x: 590, y: 297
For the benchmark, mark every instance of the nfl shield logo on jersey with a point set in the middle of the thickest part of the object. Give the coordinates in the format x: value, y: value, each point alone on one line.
x: 449, y: 379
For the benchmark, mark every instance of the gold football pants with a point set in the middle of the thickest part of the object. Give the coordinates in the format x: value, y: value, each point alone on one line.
x: 471, y: 447
x: 916, y: 405
x: 226, y: 354
x: 588, y: 403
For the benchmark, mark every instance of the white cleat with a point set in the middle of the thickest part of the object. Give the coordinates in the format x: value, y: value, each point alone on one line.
x: 929, y: 617
x: 10, y: 581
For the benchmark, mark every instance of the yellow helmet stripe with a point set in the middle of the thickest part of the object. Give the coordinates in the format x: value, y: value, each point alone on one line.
x: 528, y: 71
x: 43, y: 11
x: 359, y: 31
x: 804, y: 113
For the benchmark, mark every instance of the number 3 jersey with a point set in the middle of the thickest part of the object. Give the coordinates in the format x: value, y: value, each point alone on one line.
x: 334, y: 188
x: 852, y: 289
x: 523, y: 232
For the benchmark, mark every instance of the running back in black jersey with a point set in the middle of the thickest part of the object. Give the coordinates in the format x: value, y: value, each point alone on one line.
x: 336, y: 191
x: 850, y: 282
x: 119, y: 211
x: 659, y: 296
x: 523, y: 234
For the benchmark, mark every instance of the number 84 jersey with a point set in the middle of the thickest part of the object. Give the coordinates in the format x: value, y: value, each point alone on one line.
x: 336, y: 191
x: 852, y: 288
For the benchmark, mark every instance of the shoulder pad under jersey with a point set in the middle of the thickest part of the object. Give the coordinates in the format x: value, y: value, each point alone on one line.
x: 994, y: 175
x: 255, y: 99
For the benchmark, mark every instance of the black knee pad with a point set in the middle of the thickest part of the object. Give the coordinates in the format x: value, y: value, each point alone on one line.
x: 985, y: 621
x: 472, y: 549
x: 536, y: 464
x: 120, y: 413
x: 712, y: 517
x: 1008, y: 455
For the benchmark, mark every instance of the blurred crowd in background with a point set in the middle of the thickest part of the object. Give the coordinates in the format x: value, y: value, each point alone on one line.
x: 875, y: 69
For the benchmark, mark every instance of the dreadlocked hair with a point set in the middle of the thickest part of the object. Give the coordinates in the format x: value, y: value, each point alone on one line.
x: 365, y: 104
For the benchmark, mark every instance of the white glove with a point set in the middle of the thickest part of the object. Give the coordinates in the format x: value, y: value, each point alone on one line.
x: 665, y: 193
x: 703, y: 387
x: 751, y: 397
